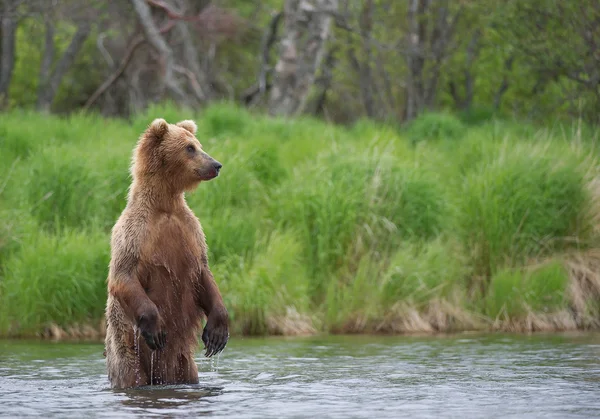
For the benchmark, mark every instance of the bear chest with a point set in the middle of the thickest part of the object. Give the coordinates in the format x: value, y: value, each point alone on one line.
x: 172, y: 248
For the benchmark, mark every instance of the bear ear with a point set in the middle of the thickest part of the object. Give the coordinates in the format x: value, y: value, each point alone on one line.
x: 158, y: 128
x: 188, y: 125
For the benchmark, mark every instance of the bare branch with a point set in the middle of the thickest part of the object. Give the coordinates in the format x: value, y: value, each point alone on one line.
x: 116, y: 74
x: 66, y: 61
x: 154, y: 38
x: 199, y: 81
x: 255, y: 92
x: 137, y: 41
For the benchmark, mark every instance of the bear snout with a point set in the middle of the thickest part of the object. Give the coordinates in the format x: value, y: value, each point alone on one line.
x: 217, y: 166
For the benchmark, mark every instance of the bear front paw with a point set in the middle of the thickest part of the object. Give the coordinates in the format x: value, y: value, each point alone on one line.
x: 215, y: 334
x: 150, y: 331
x: 155, y: 341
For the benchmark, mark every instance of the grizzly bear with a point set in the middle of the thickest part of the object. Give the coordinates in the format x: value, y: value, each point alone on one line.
x: 160, y: 286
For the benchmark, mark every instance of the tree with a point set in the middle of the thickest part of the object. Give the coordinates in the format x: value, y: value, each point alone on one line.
x: 8, y: 29
x: 49, y: 79
x: 559, y: 42
x: 306, y: 30
x: 431, y: 28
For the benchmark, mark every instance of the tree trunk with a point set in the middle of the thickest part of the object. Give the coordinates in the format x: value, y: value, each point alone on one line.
x: 8, y: 27
x: 325, y: 82
x: 508, y: 63
x: 472, y: 52
x: 47, y: 60
x: 363, y: 69
x: 47, y: 93
x: 200, y: 84
x: 306, y: 29
x: 415, y: 58
x: 157, y: 42
x: 429, y: 36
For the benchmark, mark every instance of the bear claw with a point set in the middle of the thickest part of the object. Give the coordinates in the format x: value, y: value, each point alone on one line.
x: 155, y: 342
x: 214, y: 341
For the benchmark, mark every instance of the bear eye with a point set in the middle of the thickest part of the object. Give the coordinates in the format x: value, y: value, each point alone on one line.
x: 191, y: 149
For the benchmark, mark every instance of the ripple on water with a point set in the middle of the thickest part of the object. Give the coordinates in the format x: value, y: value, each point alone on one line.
x: 478, y: 376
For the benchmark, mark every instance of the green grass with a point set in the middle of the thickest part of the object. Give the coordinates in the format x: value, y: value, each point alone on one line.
x: 526, y: 201
x: 436, y: 126
x: 515, y: 292
x: 310, y: 226
x: 54, y: 279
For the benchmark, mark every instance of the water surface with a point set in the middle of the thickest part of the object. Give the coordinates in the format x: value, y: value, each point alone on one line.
x: 468, y: 375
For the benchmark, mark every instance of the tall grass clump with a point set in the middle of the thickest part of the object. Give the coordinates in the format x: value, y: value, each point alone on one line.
x: 225, y: 120
x: 476, y: 115
x: 528, y: 202
x: 61, y: 189
x: 344, y: 205
x: 387, y: 293
x: 265, y: 289
x: 231, y: 232
x: 435, y: 126
x: 54, y: 279
x: 539, y: 289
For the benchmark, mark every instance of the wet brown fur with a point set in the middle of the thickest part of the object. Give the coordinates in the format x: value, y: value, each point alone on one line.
x: 159, y: 271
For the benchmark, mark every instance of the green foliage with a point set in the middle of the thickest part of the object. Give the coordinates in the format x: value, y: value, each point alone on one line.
x: 514, y: 292
x: 417, y: 274
x: 230, y: 232
x: 54, y: 278
x: 436, y: 126
x: 265, y: 289
x: 526, y: 202
x: 340, y: 225
x: 79, y: 81
x: 24, y: 82
x: 348, y: 197
x: 533, y: 53
x: 476, y: 115
x: 61, y: 190
x: 224, y: 119
x: 414, y: 274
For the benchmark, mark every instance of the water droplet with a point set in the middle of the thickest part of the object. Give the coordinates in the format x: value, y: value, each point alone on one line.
x: 151, y: 367
x: 136, y: 345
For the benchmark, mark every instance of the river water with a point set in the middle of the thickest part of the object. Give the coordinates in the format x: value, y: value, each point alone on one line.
x: 464, y: 376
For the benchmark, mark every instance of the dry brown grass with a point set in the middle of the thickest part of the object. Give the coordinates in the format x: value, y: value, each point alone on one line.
x: 584, y: 287
x: 290, y: 324
x: 94, y: 332
x: 439, y: 316
x: 536, y: 322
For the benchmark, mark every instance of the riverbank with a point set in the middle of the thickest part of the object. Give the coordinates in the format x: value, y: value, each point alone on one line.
x: 312, y: 228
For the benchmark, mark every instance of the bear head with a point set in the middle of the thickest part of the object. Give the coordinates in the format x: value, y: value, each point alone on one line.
x: 172, y: 155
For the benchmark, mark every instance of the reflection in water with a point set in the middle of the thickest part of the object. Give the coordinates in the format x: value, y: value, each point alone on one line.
x: 466, y: 375
x: 168, y: 397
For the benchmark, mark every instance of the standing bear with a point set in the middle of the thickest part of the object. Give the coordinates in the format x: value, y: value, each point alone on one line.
x: 159, y: 283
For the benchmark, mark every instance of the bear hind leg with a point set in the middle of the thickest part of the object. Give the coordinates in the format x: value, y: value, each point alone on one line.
x: 187, y: 370
x: 123, y: 374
